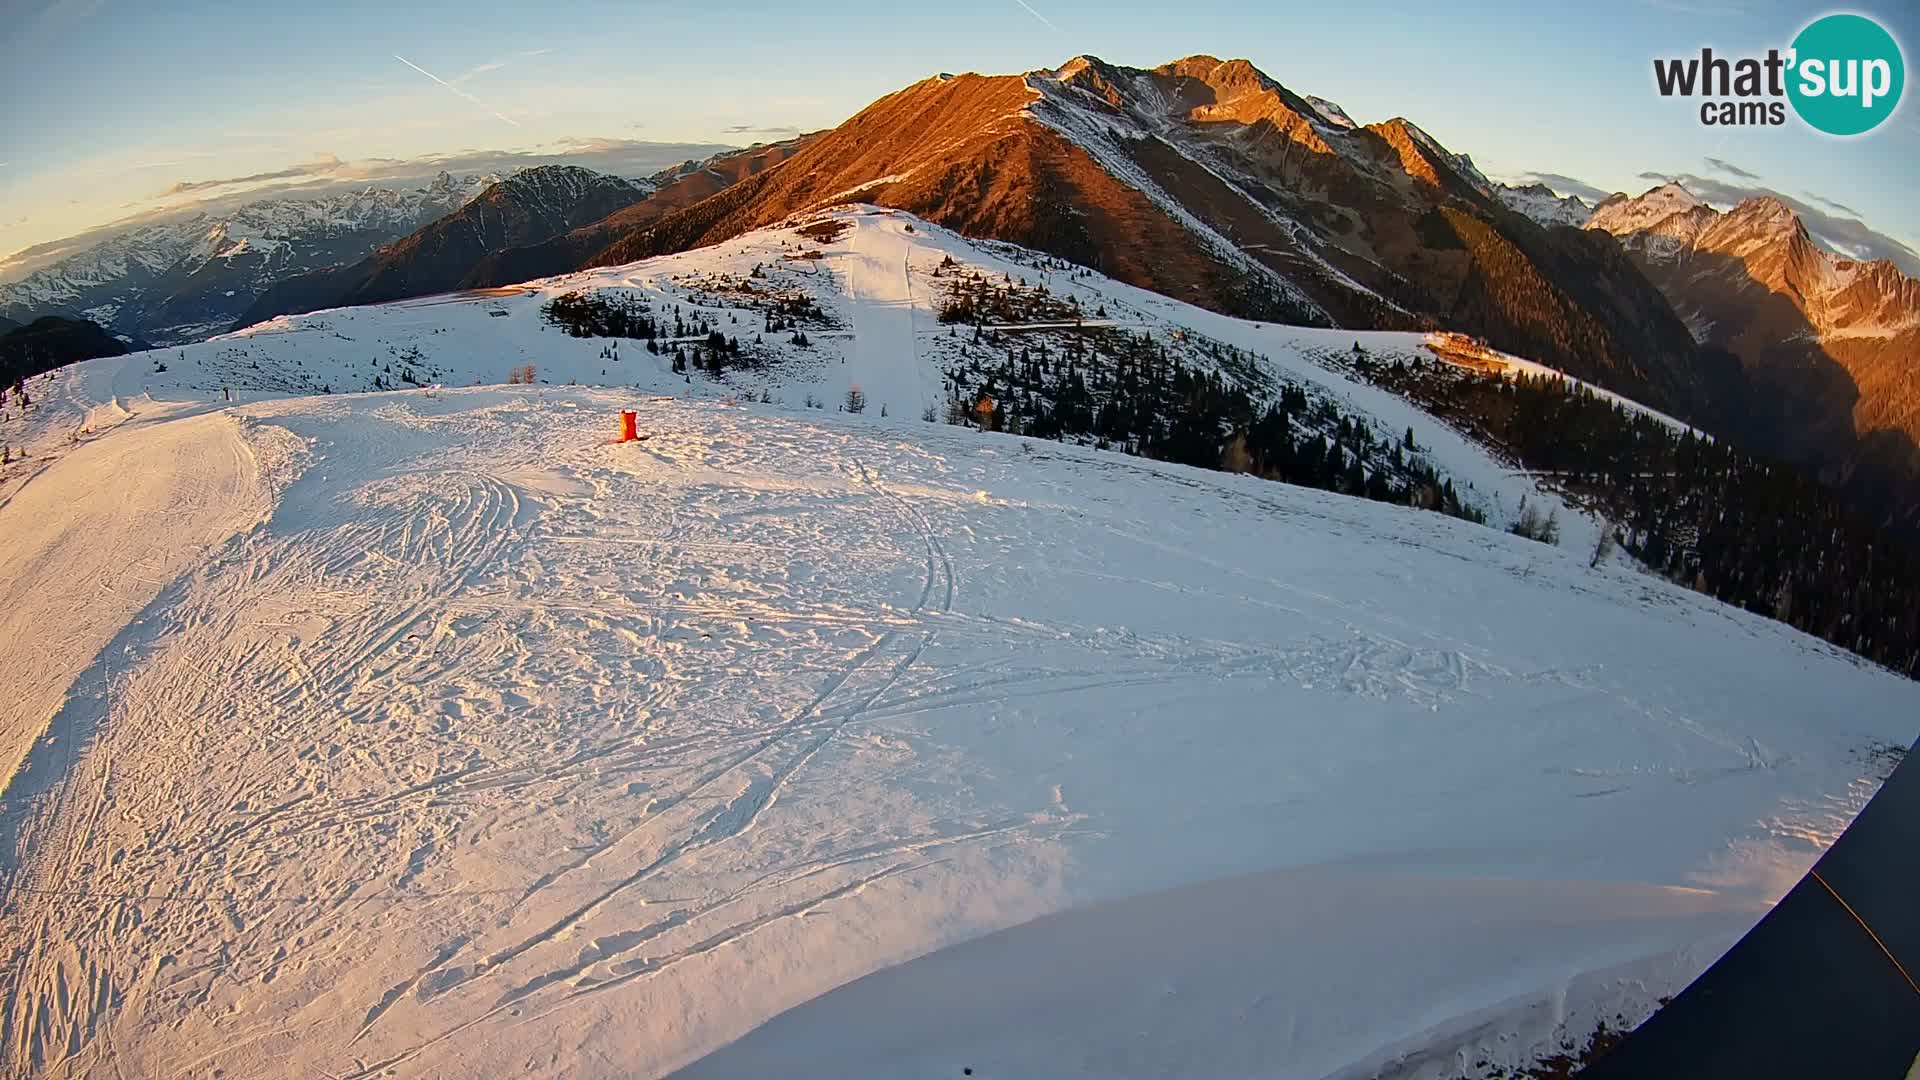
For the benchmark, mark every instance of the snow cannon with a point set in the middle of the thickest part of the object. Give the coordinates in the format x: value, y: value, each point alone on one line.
x: 629, y: 426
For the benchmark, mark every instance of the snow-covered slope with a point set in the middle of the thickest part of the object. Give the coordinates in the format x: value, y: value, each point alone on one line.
x: 878, y: 289
x: 457, y: 739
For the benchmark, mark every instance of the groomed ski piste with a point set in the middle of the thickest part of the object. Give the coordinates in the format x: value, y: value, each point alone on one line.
x: 432, y: 733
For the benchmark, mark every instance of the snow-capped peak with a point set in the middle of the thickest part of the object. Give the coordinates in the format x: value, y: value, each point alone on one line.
x: 1668, y: 209
x: 1075, y: 66
x: 1333, y: 114
x: 1671, y: 193
x: 1656, y: 202
x: 1765, y: 213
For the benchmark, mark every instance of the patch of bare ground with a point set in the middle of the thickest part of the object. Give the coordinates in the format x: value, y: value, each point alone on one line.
x: 1572, y: 1057
x: 826, y: 231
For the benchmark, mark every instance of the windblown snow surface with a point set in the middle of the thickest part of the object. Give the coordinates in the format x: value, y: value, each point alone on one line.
x: 434, y: 734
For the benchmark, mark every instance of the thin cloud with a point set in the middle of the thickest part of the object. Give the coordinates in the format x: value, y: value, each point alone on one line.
x: 476, y: 72
x: 497, y: 114
x: 1728, y: 167
x: 181, y: 158
x: 1037, y: 15
x: 601, y: 146
x: 1830, y: 204
x: 322, y: 166
x: 749, y: 129
x: 495, y: 65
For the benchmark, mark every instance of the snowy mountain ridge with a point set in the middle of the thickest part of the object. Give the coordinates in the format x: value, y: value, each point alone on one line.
x: 1659, y: 226
x: 1766, y: 238
x: 170, y: 280
x: 567, y: 184
x: 1543, y: 205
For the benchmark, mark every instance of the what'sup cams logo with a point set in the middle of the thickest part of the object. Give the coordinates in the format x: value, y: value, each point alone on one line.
x: 1843, y: 75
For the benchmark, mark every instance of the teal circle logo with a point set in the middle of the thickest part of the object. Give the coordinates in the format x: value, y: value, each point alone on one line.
x: 1847, y: 74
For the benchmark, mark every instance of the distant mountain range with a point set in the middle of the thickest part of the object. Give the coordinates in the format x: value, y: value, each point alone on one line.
x: 675, y: 190
x: 1544, y: 205
x: 180, y: 280
x: 1831, y: 345
x: 534, y: 223
x: 527, y: 206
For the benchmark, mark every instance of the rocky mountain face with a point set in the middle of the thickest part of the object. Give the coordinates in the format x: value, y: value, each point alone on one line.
x: 181, y: 279
x: 672, y: 190
x: 1211, y: 182
x: 525, y: 208
x: 1831, y: 345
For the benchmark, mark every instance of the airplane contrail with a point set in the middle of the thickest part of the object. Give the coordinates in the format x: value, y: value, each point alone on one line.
x: 1037, y: 15
x: 497, y: 114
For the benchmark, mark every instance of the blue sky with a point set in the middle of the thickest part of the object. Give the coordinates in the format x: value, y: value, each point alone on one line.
x: 108, y: 104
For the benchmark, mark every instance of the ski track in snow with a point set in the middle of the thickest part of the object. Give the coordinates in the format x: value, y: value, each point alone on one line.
x: 875, y: 267
x: 435, y: 735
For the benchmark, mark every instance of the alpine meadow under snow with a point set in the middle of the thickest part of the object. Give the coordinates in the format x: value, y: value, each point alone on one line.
x: 392, y: 721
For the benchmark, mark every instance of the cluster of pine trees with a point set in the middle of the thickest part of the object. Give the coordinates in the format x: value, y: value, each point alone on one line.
x: 593, y: 314
x: 1127, y: 391
x: 720, y: 353
x: 694, y: 344
x: 791, y: 313
x: 1739, y: 527
x: 976, y: 299
x: 783, y: 309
